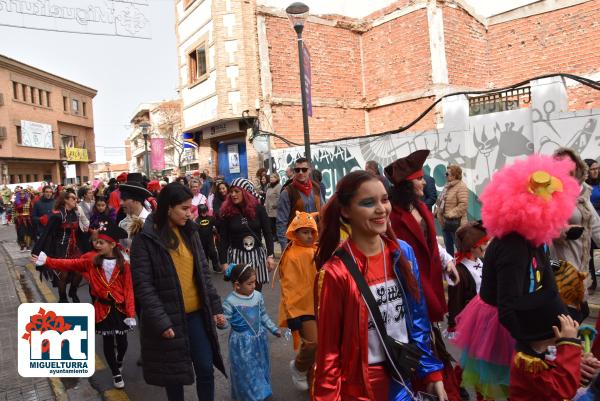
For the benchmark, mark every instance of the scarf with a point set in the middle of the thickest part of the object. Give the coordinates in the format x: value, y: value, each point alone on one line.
x: 305, y: 188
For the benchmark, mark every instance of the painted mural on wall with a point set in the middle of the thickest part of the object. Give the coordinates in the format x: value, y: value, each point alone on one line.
x: 485, y: 144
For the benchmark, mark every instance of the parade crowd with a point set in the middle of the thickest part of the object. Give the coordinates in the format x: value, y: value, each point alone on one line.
x: 365, y: 284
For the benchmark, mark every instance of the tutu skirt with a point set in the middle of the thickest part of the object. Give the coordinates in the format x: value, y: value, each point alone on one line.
x: 486, y: 349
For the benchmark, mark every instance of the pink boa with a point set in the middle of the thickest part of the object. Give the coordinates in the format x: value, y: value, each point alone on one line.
x: 508, y: 206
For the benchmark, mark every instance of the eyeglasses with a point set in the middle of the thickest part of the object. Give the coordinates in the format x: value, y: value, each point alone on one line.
x: 299, y: 169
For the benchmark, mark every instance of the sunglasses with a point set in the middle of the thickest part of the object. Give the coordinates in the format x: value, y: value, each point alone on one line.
x: 299, y: 169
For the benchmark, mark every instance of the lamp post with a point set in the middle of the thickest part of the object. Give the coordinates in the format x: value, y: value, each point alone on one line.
x: 298, y: 13
x: 65, y: 164
x: 144, y: 126
x: 107, y: 165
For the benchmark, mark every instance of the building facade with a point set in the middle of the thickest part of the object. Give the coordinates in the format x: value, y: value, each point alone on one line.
x: 219, y: 82
x: 163, y: 120
x: 375, y: 66
x: 46, y: 126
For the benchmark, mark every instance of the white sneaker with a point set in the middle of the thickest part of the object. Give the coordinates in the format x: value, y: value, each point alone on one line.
x: 298, y: 378
x: 118, y: 381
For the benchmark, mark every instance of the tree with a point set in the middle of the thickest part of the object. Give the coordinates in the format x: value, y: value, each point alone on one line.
x: 166, y: 121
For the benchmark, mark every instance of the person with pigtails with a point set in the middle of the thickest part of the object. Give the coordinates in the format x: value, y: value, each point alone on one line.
x: 372, y: 321
x: 108, y: 272
x: 244, y: 309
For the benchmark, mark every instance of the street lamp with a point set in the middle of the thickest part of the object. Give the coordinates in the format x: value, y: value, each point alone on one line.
x: 107, y: 165
x: 298, y: 13
x: 144, y: 126
x: 65, y: 164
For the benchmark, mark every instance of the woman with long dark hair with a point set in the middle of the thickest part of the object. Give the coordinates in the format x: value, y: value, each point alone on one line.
x: 412, y: 222
x: 244, y: 223
x: 60, y: 240
x: 217, y: 197
x: 352, y: 361
x: 178, y: 304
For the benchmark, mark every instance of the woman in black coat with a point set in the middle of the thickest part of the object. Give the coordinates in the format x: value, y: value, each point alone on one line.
x: 243, y: 224
x: 178, y: 305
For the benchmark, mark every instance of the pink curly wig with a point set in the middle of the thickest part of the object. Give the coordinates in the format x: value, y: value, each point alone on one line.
x: 508, y: 206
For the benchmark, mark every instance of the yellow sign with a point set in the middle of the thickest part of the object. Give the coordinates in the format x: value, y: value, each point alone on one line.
x: 77, y: 155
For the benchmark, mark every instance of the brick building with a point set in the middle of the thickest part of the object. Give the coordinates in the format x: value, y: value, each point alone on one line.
x: 164, y: 121
x: 377, y: 65
x: 46, y: 122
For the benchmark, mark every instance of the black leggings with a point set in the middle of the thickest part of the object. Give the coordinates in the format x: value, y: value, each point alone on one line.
x: 109, y: 350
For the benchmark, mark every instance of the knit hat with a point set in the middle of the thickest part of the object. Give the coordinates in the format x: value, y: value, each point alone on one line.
x: 245, y: 184
x: 134, y: 188
x: 302, y: 220
x: 407, y: 168
x: 536, y: 313
x: 109, y: 231
x: 569, y: 281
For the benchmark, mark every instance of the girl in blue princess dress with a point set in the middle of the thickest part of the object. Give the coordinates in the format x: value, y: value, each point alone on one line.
x: 244, y: 309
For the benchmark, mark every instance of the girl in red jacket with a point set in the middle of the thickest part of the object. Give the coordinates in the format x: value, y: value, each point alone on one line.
x: 111, y: 288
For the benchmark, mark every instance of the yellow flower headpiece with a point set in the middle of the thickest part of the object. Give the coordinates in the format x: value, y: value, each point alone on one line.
x: 542, y: 184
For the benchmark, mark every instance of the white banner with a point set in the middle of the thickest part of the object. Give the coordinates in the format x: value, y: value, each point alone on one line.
x: 96, y: 17
x: 71, y: 171
x: 36, y: 135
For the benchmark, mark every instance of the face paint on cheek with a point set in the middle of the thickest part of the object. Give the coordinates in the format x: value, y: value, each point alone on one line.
x: 370, y: 202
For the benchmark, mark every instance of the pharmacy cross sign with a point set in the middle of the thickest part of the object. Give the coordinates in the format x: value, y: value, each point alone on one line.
x: 94, y: 17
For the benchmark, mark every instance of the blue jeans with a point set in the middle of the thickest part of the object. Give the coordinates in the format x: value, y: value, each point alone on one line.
x: 202, y: 358
x: 449, y: 241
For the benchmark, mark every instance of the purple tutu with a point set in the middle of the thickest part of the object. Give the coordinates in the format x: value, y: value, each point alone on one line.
x: 480, y: 334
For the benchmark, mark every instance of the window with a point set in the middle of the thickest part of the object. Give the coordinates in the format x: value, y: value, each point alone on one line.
x: 48, y: 99
x: 32, y: 94
x: 67, y: 141
x: 84, y: 108
x: 19, y: 136
x: 197, y: 64
x: 24, y: 88
x: 75, y: 106
x: 65, y: 103
x: 15, y: 90
x: 40, y: 97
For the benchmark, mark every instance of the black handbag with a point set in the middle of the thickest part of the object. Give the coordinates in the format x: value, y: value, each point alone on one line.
x: 403, y: 359
x: 451, y: 224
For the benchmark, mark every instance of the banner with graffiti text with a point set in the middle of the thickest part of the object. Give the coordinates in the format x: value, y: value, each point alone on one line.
x: 97, y: 17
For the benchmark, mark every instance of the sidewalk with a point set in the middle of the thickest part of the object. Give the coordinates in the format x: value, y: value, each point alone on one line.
x: 12, y: 386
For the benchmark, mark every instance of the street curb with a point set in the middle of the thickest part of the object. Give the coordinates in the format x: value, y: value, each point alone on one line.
x: 107, y: 395
x: 55, y: 384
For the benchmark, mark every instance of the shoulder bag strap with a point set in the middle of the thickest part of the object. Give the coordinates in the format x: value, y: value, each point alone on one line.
x: 364, y: 290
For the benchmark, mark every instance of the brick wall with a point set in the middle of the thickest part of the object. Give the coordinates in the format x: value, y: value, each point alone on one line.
x: 397, y: 56
x: 335, y: 60
x: 466, y: 49
x: 394, y: 116
x: 583, y: 97
x: 327, y: 123
x: 355, y: 65
x: 563, y: 40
